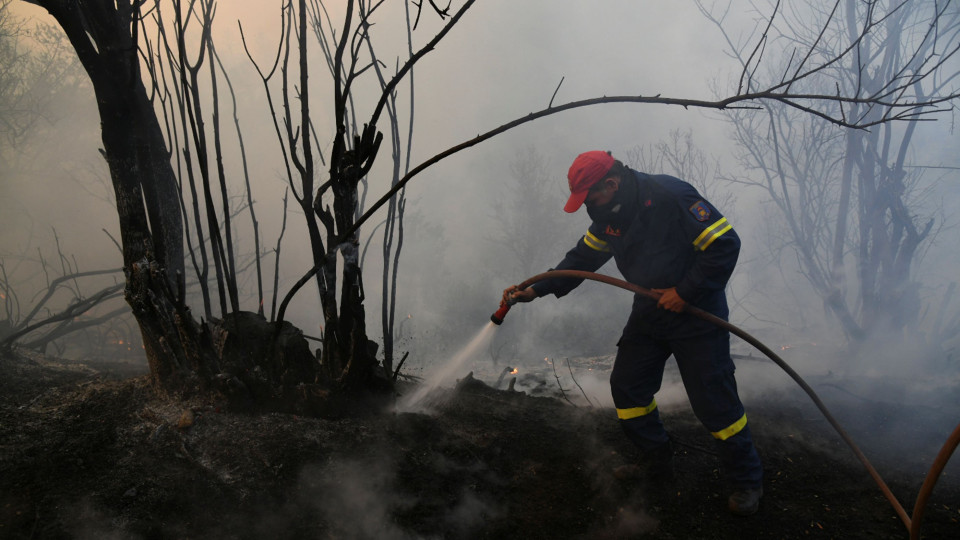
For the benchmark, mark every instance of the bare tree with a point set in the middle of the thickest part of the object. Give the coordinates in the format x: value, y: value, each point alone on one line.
x: 396, y: 208
x: 680, y: 156
x: 528, y: 239
x: 15, y: 117
x: 525, y: 231
x: 106, y: 38
x: 348, y: 355
x: 183, y: 353
x: 37, y: 69
x: 851, y: 195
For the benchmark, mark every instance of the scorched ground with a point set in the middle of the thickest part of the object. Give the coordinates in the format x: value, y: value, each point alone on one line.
x: 87, y: 451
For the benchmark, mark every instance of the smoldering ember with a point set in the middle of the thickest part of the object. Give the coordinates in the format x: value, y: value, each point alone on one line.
x: 479, y: 270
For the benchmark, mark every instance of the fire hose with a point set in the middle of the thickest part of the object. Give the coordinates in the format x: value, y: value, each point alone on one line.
x: 912, y: 524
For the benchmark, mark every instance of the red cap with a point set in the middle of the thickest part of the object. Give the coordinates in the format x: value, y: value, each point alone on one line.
x: 588, y: 169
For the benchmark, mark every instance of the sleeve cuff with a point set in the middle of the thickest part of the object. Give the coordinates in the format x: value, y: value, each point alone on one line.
x: 541, y: 288
x: 687, y: 292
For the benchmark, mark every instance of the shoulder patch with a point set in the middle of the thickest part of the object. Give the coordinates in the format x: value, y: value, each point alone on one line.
x: 700, y: 211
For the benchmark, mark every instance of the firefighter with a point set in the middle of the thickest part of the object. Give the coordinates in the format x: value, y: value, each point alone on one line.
x: 666, y: 237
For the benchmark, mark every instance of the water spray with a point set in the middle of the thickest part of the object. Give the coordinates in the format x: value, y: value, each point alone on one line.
x: 913, y: 525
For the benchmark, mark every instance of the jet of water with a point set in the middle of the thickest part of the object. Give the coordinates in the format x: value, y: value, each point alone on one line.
x: 415, y: 401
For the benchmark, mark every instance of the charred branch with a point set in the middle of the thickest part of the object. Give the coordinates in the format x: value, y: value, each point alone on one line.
x: 75, y: 309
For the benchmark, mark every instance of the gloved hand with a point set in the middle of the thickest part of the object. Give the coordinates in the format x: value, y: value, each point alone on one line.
x: 670, y: 300
x: 512, y: 295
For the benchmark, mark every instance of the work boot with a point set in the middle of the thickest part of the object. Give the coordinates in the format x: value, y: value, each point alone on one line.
x: 745, y: 501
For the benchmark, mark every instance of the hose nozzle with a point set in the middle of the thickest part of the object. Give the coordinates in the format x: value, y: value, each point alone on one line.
x: 511, y: 299
x: 498, y: 316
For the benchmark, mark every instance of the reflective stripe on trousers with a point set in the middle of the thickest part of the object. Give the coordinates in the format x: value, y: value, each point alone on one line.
x: 708, y: 378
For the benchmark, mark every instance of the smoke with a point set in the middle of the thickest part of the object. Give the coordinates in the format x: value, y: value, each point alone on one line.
x: 470, y: 512
x: 631, y: 523
x: 92, y: 524
x: 364, y: 497
x: 353, y: 498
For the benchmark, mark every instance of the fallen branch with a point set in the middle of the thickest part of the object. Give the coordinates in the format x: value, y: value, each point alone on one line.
x: 396, y: 372
x: 560, y: 386
x: 72, y: 311
x: 578, y: 384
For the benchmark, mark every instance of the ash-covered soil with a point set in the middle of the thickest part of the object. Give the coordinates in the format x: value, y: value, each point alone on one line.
x: 88, y: 452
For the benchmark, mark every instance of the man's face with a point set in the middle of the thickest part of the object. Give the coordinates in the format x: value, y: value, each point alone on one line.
x: 601, y: 193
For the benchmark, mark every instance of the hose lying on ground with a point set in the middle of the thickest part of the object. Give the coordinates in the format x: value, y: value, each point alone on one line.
x: 913, y: 525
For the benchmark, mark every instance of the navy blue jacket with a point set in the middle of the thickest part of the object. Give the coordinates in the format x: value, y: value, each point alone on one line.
x: 674, y: 238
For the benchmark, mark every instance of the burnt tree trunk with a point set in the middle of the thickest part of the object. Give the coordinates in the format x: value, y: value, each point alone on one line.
x: 148, y: 207
x: 349, y: 355
x: 184, y: 355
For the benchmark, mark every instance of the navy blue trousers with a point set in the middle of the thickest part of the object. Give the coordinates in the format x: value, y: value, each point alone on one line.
x: 708, y: 377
